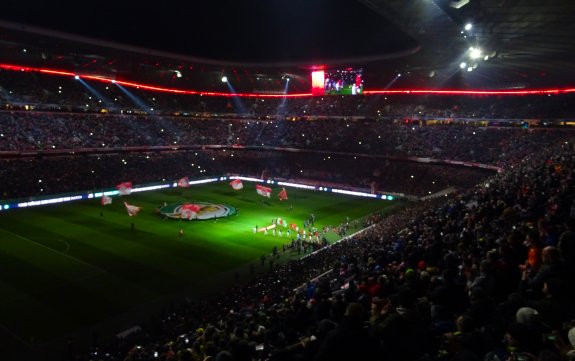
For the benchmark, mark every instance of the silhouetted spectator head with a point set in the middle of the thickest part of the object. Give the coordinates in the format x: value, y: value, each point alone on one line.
x: 571, y: 338
x: 525, y: 315
x: 325, y: 326
x: 550, y: 255
x: 355, y: 311
x: 224, y: 356
x: 465, y: 323
x: 477, y: 294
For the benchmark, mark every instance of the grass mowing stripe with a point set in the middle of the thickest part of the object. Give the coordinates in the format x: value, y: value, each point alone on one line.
x: 59, y: 306
x: 43, y: 297
x: 126, y: 243
x: 45, y: 248
x: 148, y: 247
x: 143, y: 276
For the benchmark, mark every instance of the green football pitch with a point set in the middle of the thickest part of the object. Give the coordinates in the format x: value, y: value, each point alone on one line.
x: 67, y: 267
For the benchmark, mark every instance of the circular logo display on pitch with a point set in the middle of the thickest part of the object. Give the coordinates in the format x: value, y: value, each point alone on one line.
x: 203, y: 211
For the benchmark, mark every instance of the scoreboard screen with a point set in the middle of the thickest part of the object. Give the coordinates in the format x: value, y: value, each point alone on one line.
x: 346, y: 81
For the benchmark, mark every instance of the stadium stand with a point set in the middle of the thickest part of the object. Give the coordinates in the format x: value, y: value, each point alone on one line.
x: 450, y: 278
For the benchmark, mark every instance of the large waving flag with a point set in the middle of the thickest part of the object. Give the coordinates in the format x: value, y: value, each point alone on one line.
x: 132, y: 210
x: 106, y: 200
x: 184, y: 182
x: 263, y: 191
x: 124, y: 188
x: 237, y: 184
x: 283, y: 195
x: 188, y: 211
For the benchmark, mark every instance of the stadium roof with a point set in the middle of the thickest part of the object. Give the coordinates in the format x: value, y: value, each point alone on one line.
x: 246, y: 32
x: 516, y: 43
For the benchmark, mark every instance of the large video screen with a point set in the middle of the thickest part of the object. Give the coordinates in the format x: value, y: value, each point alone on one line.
x: 347, y: 81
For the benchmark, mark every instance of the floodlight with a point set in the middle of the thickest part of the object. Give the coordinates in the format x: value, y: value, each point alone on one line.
x: 468, y: 26
x: 463, y: 65
x: 224, y: 79
x: 456, y: 4
x: 475, y: 53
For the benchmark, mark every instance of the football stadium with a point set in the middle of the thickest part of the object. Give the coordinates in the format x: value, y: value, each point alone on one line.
x: 250, y: 181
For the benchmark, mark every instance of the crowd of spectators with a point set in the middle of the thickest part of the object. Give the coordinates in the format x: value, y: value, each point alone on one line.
x: 26, y: 131
x: 329, y: 149
x: 34, y: 176
x: 484, y: 274
x: 45, y: 91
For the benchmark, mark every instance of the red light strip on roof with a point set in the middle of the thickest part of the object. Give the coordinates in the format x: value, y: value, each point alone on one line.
x: 13, y: 67
x: 471, y: 92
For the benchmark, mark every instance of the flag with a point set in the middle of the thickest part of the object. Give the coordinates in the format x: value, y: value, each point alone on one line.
x: 106, y: 200
x: 263, y: 191
x: 237, y: 184
x: 188, y: 211
x: 192, y: 207
x: 283, y: 195
x: 184, y: 182
x: 132, y: 210
x: 124, y: 188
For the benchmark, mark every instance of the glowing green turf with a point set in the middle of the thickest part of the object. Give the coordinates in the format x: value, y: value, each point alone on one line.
x: 66, y: 267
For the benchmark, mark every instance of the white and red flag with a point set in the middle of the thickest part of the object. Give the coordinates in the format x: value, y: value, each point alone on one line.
x: 237, y: 184
x: 124, y: 188
x: 184, y: 182
x: 188, y: 211
x: 106, y: 200
x: 283, y: 195
x: 132, y: 210
x: 263, y: 191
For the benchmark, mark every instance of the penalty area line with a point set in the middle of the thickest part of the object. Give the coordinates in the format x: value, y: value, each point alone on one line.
x: 57, y: 252
x: 13, y: 334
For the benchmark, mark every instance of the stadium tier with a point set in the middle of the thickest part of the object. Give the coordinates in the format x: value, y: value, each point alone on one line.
x: 144, y: 221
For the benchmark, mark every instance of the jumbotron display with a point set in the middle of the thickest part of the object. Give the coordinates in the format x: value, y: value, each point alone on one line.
x: 346, y: 81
